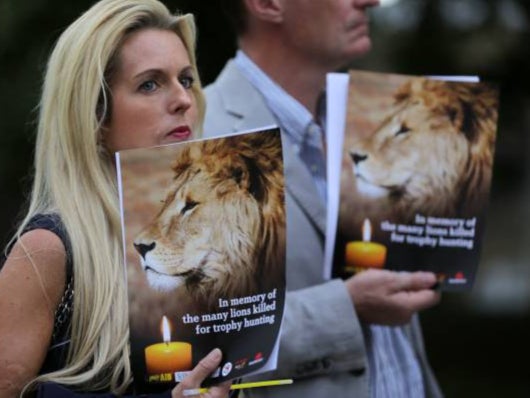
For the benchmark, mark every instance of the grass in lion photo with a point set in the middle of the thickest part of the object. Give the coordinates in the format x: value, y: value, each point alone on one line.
x: 204, y: 223
x: 416, y: 166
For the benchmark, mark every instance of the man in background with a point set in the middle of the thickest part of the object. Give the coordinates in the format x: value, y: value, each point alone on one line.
x: 354, y: 338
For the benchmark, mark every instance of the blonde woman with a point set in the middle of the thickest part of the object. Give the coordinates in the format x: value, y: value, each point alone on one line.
x: 123, y: 75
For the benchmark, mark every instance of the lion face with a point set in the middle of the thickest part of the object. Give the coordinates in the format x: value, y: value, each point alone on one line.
x: 409, y: 140
x: 421, y: 154
x: 207, y: 236
x: 179, y: 247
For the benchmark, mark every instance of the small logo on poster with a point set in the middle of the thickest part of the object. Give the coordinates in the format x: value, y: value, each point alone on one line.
x: 240, y: 363
x: 458, y: 279
x: 179, y: 376
x: 227, y: 368
x: 216, y: 373
x: 257, y: 359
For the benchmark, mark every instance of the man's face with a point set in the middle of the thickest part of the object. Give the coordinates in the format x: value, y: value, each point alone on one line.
x: 332, y: 31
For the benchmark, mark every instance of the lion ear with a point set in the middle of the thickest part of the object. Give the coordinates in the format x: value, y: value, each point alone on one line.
x: 242, y: 175
x: 455, y: 115
x: 403, y: 92
x: 463, y: 118
x: 236, y: 174
x: 249, y: 178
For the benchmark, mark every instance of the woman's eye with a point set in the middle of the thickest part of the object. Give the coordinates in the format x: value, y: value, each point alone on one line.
x: 148, y: 86
x: 403, y: 129
x: 186, y: 81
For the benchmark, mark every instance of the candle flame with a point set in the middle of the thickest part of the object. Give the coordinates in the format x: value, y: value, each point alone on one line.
x: 367, y: 230
x: 166, y: 330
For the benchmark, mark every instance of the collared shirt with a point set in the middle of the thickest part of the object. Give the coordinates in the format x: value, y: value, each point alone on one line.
x: 394, y: 369
x: 294, y: 119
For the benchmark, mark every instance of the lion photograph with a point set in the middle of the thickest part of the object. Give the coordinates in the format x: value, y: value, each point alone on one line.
x: 416, y: 170
x: 204, y: 222
x: 220, y: 231
x: 425, y: 147
x: 217, y: 224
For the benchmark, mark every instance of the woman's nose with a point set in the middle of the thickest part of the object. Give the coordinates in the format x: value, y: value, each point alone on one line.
x: 180, y: 98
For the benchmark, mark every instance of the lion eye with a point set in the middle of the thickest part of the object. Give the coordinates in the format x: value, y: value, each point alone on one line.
x: 190, y: 204
x: 403, y: 129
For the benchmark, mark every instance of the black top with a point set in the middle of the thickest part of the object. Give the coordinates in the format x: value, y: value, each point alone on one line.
x: 58, y: 350
x: 52, y: 390
x: 60, y: 341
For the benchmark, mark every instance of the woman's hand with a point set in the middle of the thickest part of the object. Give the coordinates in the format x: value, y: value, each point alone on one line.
x: 203, y: 369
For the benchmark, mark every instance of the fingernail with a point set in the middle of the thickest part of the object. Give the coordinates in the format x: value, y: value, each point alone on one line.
x: 215, y: 354
x: 428, y: 277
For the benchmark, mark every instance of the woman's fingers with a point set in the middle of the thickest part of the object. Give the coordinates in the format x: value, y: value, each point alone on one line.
x: 203, y: 369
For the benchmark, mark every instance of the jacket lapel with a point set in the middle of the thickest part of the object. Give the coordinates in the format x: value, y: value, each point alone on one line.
x: 249, y: 110
x: 242, y: 101
x: 301, y: 186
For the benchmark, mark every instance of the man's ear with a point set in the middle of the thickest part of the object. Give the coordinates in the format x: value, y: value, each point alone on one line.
x: 266, y: 10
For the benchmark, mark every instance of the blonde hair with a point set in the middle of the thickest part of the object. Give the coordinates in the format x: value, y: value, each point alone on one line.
x: 74, y: 177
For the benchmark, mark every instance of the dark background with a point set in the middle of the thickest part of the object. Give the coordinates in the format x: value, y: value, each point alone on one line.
x: 477, y: 342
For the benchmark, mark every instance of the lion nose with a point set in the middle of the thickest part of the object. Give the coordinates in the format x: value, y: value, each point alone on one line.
x: 143, y: 248
x: 357, y: 158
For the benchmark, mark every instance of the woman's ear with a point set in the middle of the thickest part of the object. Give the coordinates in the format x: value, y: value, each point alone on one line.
x: 266, y: 10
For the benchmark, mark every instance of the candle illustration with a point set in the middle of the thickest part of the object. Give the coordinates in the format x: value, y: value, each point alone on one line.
x: 365, y: 254
x: 168, y: 356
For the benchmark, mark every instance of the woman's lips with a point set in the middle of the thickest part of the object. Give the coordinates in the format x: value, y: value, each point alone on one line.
x: 181, y: 133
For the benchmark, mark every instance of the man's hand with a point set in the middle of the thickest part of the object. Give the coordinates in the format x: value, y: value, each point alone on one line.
x: 391, y: 298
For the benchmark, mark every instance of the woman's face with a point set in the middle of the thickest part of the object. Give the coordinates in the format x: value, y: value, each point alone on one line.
x: 152, y: 98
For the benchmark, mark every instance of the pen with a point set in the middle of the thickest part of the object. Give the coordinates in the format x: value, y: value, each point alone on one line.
x: 254, y: 384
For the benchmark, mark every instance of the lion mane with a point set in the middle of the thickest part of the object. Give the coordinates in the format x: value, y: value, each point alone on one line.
x: 221, y: 229
x: 433, y: 152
